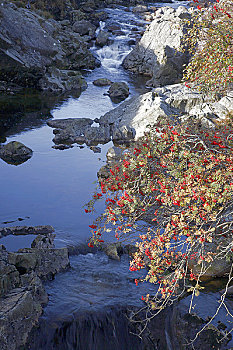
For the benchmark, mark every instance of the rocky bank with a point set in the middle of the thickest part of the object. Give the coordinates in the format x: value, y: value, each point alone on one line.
x: 41, y: 53
x: 158, y: 56
x: 22, y: 295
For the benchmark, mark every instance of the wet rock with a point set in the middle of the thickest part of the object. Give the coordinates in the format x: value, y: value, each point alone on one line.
x: 113, y: 251
x: 102, y: 82
x: 44, y: 262
x: 114, y: 153
x: 102, y: 38
x: 15, y: 152
x: 69, y: 123
x: 118, y: 92
x: 70, y: 130
x: 80, y: 140
x: 229, y: 293
x: 79, y: 131
x: 43, y: 242
x: 9, y: 275
x: 19, y: 312
x: 26, y: 230
x: 113, y: 27
x: 140, y: 9
x: 22, y: 295
x: 99, y: 134
x: 103, y: 173
x: 84, y: 28
x: 95, y: 149
x: 123, y: 133
x: 131, y: 42
x: 157, y: 54
x: 3, y: 139
x: 183, y: 327
x: 219, y: 267
x: 62, y: 147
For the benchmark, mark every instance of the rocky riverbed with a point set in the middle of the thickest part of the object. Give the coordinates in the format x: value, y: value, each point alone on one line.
x: 70, y: 69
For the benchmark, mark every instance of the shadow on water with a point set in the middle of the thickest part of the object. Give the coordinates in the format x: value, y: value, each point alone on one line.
x: 27, y: 109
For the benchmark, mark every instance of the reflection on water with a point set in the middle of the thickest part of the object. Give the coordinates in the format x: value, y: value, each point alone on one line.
x: 52, y: 186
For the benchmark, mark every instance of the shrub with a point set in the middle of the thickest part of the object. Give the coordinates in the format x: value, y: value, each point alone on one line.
x: 210, y: 41
x: 179, y: 179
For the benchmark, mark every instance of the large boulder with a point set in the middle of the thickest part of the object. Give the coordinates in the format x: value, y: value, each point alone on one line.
x: 84, y: 28
x: 22, y: 295
x: 15, y: 152
x: 102, y: 82
x: 44, y: 262
x: 69, y: 130
x: 95, y: 135
x: 40, y: 53
x: 102, y: 38
x: 118, y: 92
x: 19, y: 312
x: 158, y: 55
x: 172, y: 101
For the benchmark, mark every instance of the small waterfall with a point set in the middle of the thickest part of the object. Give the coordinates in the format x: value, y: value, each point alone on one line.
x: 112, y: 56
x: 101, y: 27
x: 106, y: 330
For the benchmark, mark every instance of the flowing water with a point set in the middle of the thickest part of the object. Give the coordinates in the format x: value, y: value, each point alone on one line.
x: 87, y: 304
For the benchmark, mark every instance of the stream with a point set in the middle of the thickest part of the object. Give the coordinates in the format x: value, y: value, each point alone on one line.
x: 88, y: 303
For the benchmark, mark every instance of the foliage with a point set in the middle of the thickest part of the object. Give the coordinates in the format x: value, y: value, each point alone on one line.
x: 210, y: 39
x: 179, y: 179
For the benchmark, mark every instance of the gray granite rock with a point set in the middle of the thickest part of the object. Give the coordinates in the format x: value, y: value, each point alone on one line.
x: 15, y: 152
x: 114, y: 153
x: 102, y: 38
x: 44, y: 230
x: 174, y: 101
x: 43, y: 242
x: 95, y: 135
x: 19, y: 312
x: 69, y: 130
x: 157, y: 54
x: 118, y: 91
x: 84, y: 27
x: 41, y: 53
x: 102, y: 82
